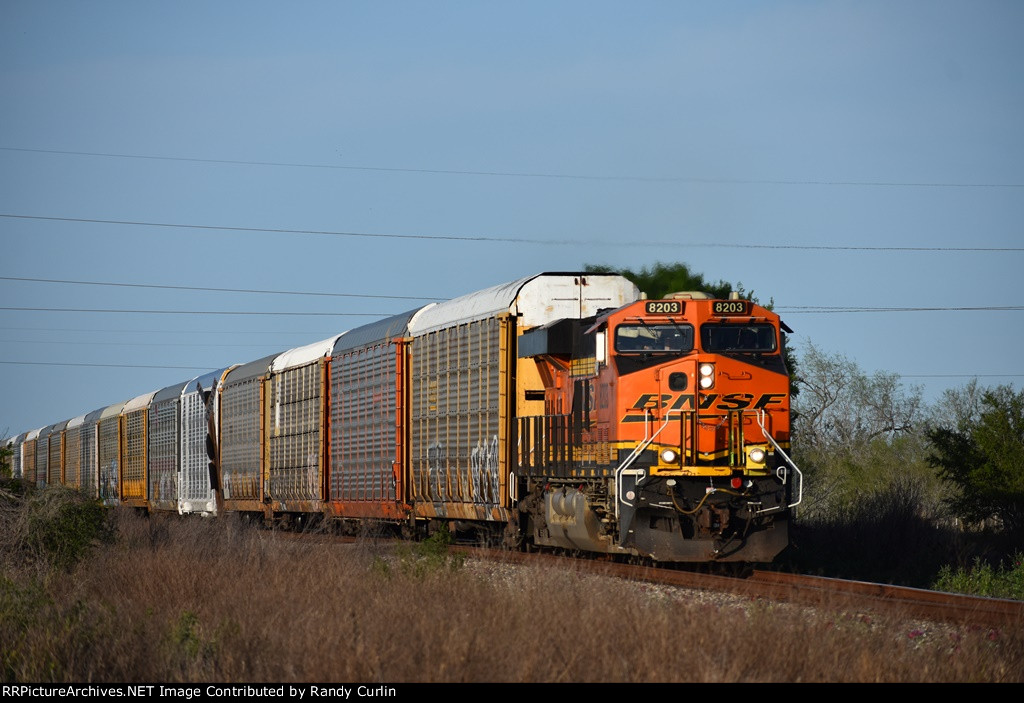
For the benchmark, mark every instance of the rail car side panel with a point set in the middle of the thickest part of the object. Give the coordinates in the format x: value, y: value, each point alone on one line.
x: 90, y: 460
x: 54, y: 464
x: 457, y: 465
x: 195, y: 490
x: 109, y: 455
x: 363, y: 480
x: 73, y: 455
x: 133, y: 458
x: 28, y: 460
x: 293, y: 421
x: 43, y: 458
x: 241, y: 446
x: 162, y: 479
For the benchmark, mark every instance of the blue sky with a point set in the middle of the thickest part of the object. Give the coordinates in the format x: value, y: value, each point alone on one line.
x: 589, y: 132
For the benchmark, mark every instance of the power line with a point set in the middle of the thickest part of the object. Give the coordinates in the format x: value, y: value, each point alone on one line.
x: 508, y: 240
x: 527, y: 174
x: 961, y: 375
x: 785, y: 310
x: 112, y: 366
x: 137, y: 344
x: 815, y: 310
x: 201, y: 368
x: 138, y: 331
x: 216, y: 290
x: 203, y: 312
x: 287, y: 231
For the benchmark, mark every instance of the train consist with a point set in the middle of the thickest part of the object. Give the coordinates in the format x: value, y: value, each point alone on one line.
x: 560, y: 410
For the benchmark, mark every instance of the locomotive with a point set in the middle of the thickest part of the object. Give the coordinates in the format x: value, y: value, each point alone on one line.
x: 560, y: 410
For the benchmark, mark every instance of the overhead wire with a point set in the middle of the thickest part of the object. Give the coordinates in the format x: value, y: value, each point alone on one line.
x: 838, y: 310
x: 526, y: 174
x: 632, y: 243
x: 202, y: 312
x: 214, y: 290
x: 113, y: 366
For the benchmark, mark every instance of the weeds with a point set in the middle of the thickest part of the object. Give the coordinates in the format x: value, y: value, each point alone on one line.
x: 982, y: 580
x: 428, y: 556
x: 215, y: 600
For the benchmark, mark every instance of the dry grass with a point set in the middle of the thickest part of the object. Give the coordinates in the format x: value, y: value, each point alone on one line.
x: 201, y: 600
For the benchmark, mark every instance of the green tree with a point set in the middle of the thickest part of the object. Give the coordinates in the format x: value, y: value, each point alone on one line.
x: 984, y: 458
x: 662, y: 279
x: 843, y: 408
x: 858, y: 435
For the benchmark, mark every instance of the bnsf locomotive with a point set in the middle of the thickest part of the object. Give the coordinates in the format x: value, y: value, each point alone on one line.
x: 558, y: 410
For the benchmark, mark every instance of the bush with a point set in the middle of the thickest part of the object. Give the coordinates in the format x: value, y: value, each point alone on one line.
x: 982, y: 580
x: 884, y: 536
x: 55, y: 526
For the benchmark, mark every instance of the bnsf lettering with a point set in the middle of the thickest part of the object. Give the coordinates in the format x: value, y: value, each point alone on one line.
x: 708, y: 401
x: 735, y: 401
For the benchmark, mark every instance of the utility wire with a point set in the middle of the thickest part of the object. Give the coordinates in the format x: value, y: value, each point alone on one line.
x: 206, y: 368
x: 216, y: 290
x: 111, y: 366
x: 838, y: 310
x: 138, y: 331
x: 527, y: 174
x: 508, y: 240
x: 961, y: 375
x: 787, y: 311
x: 203, y: 312
x: 138, y: 344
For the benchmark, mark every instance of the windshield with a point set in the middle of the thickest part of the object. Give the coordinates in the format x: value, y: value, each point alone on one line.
x: 646, y: 339
x: 737, y: 338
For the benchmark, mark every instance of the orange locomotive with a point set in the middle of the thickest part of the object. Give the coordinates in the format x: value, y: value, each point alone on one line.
x: 664, y: 433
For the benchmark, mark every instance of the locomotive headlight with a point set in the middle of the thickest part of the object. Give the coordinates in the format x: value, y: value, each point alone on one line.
x: 669, y: 456
x: 707, y: 375
x: 757, y: 455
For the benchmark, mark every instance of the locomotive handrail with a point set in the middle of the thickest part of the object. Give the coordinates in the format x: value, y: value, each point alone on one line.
x: 800, y: 489
x: 644, y: 443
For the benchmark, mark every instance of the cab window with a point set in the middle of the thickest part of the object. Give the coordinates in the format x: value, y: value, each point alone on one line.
x: 754, y: 338
x: 653, y: 339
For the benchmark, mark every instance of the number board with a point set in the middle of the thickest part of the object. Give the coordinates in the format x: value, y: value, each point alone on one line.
x: 729, y: 307
x: 663, y: 307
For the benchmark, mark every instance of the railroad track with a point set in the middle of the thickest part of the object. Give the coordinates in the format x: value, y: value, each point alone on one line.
x: 800, y: 589
x: 775, y: 586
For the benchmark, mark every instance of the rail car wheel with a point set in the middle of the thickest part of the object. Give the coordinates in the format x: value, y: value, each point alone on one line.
x: 513, y: 538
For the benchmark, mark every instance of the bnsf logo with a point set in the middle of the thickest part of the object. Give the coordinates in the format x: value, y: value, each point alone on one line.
x: 708, y: 401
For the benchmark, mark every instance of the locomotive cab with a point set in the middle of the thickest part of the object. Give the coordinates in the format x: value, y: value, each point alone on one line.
x: 665, y: 432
